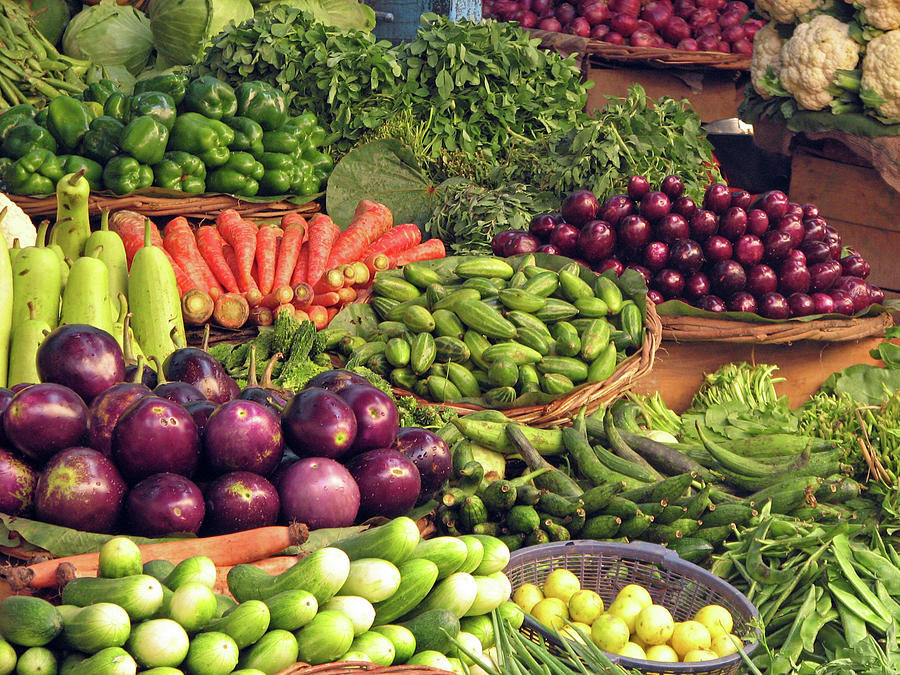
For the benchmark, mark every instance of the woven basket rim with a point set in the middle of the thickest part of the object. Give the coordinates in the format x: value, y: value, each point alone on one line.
x: 342, y: 667
x: 703, y: 329
x: 592, y: 396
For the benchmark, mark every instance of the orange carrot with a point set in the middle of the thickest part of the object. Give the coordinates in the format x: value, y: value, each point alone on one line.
x: 430, y: 250
x: 288, y: 307
x: 266, y: 254
x: 209, y: 244
x: 261, y: 316
x: 377, y: 262
x: 231, y: 310
x: 398, y: 238
x: 241, y: 235
x: 302, y: 265
x: 326, y: 299
x: 323, y: 233
x: 349, y: 272
x: 226, y: 549
x: 278, y: 296
x: 370, y: 221
x: 130, y: 227
x: 347, y: 294
x: 318, y: 315
x: 303, y: 295
x: 331, y: 312
x: 231, y: 259
x: 289, y: 251
x: 332, y: 280
x: 180, y: 242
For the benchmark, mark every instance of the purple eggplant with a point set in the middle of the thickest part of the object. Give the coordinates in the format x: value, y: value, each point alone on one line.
x: 198, y: 368
x: 81, y: 489
x: 430, y: 454
x: 81, y: 357
x: 155, y: 435
x: 389, y: 482
x: 263, y: 393
x: 318, y: 491
x: 318, y: 423
x: 177, y: 391
x: 243, y: 436
x: 164, y: 504
x: 335, y: 380
x: 17, y: 482
x: 200, y: 412
x: 105, y: 411
x: 5, y: 397
x: 377, y: 419
x: 240, y: 500
x: 45, y: 418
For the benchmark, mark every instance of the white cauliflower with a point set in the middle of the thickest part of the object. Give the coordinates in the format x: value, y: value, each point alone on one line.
x: 16, y: 224
x: 812, y: 57
x: 883, y: 14
x: 786, y: 11
x: 767, y: 44
x: 881, y: 73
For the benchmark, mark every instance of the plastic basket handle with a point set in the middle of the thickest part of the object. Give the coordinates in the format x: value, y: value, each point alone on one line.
x: 654, y: 552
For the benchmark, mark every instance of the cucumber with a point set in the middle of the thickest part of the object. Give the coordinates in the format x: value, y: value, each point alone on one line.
x: 484, y: 266
x: 556, y: 310
x: 417, y: 578
x: 97, y: 627
x: 420, y: 275
x: 623, y: 508
x: 290, y: 610
x: 371, y: 578
x: 491, y: 593
x: 495, y: 557
x: 476, y: 315
x: 109, y: 661
x: 598, y: 497
x: 401, y: 638
x: 322, y: 573
x: 431, y: 659
x: 499, y: 496
x: 28, y: 621
x: 456, y: 593
x: 725, y: 514
x: 140, y: 595
x: 359, y: 610
x: 245, y: 623
x: 274, y: 652
x: 522, y: 519
x: 434, y: 630
x: 158, y: 643
x: 418, y: 319
x: 447, y: 324
x: 575, y: 369
x: 159, y: 569
x: 422, y: 353
x: 669, y: 489
x: 475, y: 553
x: 520, y: 299
x: 635, y: 526
x: 377, y: 647
x: 211, y: 654
x: 325, y: 638
x: 37, y: 661
x: 692, y: 549
x: 503, y: 372
x: 394, y: 288
x: 196, y: 569
x: 119, y: 557
x: 516, y: 352
x: 7, y: 658
x: 450, y: 349
x: 601, y: 527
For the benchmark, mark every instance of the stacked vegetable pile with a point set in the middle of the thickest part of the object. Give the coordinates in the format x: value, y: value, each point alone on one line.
x: 793, y: 72
x: 490, y: 332
x: 190, y: 136
x: 708, y: 25
x: 768, y: 256
x: 384, y: 596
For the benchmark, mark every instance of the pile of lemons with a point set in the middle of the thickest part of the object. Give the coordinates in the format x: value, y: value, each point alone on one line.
x: 632, y: 625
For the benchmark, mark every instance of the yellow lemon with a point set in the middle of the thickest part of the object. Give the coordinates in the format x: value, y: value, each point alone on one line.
x: 689, y: 636
x: 662, y: 653
x: 699, y: 655
x: 716, y: 618
x: 561, y: 584
x: 633, y: 651
x: 609, y: 632
x: 639, y: 593
x: 724, y: 644
x: 627, y: 609
x: 585, y: 606
x: 527, y: 596
x: 636, y: 639
x: 654, y: 625
x: 551, y: 612
x: 570, y: 631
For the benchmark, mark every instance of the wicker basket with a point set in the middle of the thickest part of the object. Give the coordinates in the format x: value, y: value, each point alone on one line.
x: 341, y: 667
x: 680, y: 586
x: 201, y: 207
x: 592, y: 396
x: 702, y: 329
x: 655, y: 57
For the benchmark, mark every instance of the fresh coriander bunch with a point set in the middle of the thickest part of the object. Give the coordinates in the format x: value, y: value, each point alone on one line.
x: 349, y: 79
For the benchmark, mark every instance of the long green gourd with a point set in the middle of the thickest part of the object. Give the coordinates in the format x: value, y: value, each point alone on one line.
x: 73, y: 221
x: 6, y: 293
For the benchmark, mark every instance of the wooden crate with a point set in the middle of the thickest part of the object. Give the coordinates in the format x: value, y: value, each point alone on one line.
x: 681, y: 366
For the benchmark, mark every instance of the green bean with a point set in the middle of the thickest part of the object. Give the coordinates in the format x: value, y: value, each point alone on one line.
x: 854, y: 626
x: 849, y: 601
x: 796, y: 580
x: 843, y: 557
x: 814, y: 621
x: 879, y: 567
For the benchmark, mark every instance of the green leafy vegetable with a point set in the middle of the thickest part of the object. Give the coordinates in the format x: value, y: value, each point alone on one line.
x: 181, y: 28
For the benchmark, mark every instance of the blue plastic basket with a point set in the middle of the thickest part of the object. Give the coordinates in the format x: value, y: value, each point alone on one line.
x: 605, y: 567
x: 398, y: 20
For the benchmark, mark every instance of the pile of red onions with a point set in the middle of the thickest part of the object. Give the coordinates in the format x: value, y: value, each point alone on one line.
x: 768, y: 256
x: 691, y: 25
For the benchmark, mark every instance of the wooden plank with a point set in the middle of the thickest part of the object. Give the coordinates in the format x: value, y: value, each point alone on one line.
x: 679, y: 368
x: 845, y: 191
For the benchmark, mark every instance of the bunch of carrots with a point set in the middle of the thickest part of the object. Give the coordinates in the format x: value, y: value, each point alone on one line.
x: 236, y: 270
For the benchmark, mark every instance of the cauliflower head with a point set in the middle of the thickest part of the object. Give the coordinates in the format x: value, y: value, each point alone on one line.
x: 811, y: 58
x: 16, y: 224
x: 767, y: 45
x: 883, y: 14
x: 786, y: 11
x: 881, y: 72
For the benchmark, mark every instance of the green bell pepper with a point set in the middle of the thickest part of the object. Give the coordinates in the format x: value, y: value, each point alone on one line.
x: 155, y: 104
x: 303, y: 122
x: 145, y: 138
x: 101, y: 142
x: 124, y: 174
x: 173, y: 84
x: 40, y: 117
x: 280, y: 141
x: 94, y: 109
x: 12, y: 116
x: 247, y: 136
x: 93, y: 172
x: 238, y: 176
x: 280, y: 173
x: 225, y: 132
x: 321, y: 161
x: 68, y: 120
x: 116, y: 106
x: 100, y: 91
x: 25, y: 137
x: 180, y: 171
x: 262, y: 103
x: 194, y: 133
x: 210, y: 97
x: 35, y: 173
x: 306, y: 182
x: 317, y: 136
x: 216, y: 156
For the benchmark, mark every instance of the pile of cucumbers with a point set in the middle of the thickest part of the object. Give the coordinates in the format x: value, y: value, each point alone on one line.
x: 497, y: 330
x: 384, y: 595
x: 579, y: 484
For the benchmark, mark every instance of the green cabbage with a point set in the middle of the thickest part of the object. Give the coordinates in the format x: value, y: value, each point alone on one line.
x: 182, y: 28
x: 342, y: 14
x: 109, y: 34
